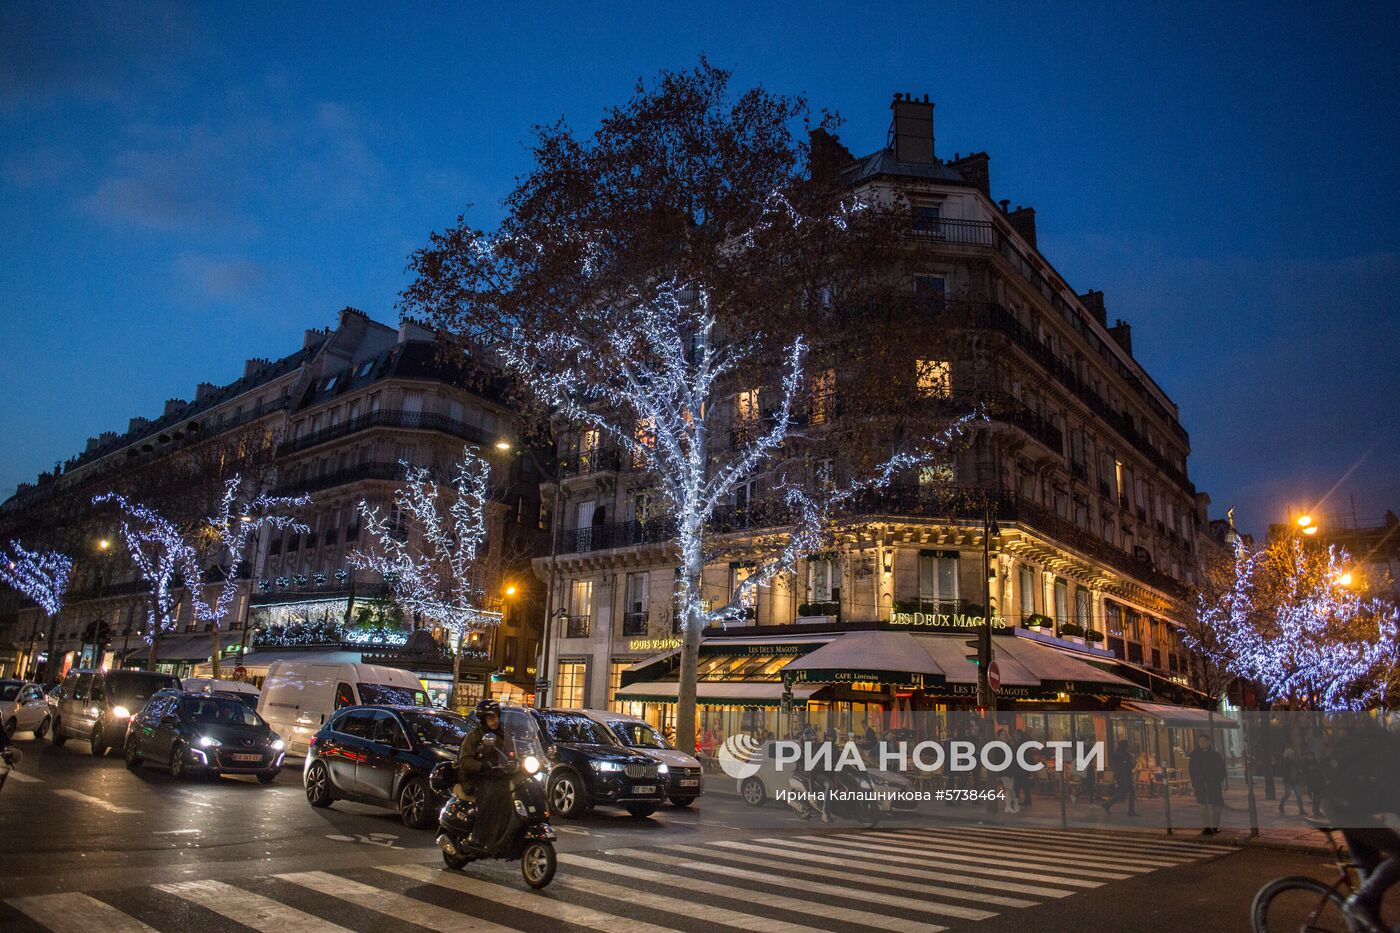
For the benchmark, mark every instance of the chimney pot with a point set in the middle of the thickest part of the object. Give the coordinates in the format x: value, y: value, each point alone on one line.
x: 912, y: 130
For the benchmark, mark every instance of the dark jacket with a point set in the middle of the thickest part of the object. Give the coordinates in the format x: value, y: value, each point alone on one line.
x: 1207, y: 776
x: 478, y: 770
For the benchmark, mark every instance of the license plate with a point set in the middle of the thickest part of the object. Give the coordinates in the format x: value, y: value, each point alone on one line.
x: 644, y: 789
x: 246, y: 757
x: 690, y: 782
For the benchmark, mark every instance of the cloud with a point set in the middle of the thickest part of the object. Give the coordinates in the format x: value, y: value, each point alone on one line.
x: 214, y: 279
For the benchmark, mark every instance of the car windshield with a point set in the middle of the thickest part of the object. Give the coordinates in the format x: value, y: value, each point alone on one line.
x: 9, y: 689
x: 223, y: 711
x: 446, y: 730
x: 387, y: 695
x: 638, y: 734
x: 132, y: 688
x: 249, y: 700
x: 573, y: 728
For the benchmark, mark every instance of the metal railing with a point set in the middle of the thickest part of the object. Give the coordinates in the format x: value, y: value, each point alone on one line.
x: 406, y: 420
x: 635, y: 623
x: 351, y: 474
x: 577, y: 626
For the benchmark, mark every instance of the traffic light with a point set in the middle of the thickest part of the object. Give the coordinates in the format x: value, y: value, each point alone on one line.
x: 976, y: 645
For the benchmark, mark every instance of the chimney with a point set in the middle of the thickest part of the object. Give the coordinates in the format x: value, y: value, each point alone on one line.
x: 410, y: 329
x: 912, y: 129
x: 107, y: 437
x: 172, y: 405
x: 826, y: 156
x: 137, y: 424
x: 1023, y: 222
x: 251, y: 367
x: 204, y: 390
x: 1093, y: 300
x: 974, y: 169
x: 1123, y: 334
x: 92, y: 444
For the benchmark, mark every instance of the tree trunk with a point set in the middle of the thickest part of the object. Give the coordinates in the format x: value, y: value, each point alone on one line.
x: 456, y: 673
x: 214, y: 646
x: 154, y: 650
x: 692, y: 622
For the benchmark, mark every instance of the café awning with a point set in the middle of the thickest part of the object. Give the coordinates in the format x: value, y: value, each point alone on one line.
x: 896, y: 658
x: 1059, y: 671
x: 715, y: 693
x: 1182, y: 717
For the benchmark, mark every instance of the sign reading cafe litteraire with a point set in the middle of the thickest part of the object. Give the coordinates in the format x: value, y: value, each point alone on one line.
x: 951, y: 621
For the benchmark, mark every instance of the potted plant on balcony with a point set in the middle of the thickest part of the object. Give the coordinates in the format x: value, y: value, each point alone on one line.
x: 1037, y: 622
x: 816, y: 613
x: 1071, y: 632
x: 1093, y: 637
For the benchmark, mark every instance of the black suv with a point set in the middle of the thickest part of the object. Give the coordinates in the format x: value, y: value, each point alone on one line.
x: 588, y: 768
x: 95, y: 705
x: 382, y: 756
x: 200, y: 733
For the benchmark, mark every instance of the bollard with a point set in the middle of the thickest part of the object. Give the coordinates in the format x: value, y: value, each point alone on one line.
x: 1167, y: 798
x: 1064, y: 798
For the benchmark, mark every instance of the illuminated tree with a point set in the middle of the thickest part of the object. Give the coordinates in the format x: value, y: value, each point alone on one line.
x: 431, y: 552
x: 39, y: 575
x: 230, y: 528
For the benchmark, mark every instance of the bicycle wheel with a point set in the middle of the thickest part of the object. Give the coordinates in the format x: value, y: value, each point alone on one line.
x: 1298, y: 905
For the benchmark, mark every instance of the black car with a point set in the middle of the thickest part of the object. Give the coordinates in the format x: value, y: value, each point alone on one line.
x: 198, y: 733
x: 383, y: 755
x: 588, y: 768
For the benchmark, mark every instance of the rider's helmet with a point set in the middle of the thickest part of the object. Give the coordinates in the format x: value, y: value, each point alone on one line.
x: 487, y: 706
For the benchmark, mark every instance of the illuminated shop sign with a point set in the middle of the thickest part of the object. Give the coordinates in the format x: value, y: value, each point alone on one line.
x: 653, y: 644
x: 945, y: 621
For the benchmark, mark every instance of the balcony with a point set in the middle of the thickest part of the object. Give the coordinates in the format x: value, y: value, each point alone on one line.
x: 617, y: 534
x: 635, y: 623
x: 587, y: 462
x: 959, y: 232
x: 352, y: 474
x: 576, y: 626
x: 403, y: 420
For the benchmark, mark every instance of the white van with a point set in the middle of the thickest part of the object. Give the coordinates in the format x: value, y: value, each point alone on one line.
x: 243, y: 691
x: 299, y: 696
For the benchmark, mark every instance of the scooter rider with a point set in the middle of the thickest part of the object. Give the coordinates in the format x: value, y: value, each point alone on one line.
x: 484, y: 765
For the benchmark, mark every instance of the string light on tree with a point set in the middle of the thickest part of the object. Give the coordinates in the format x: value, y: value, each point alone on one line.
x: 40, y: 575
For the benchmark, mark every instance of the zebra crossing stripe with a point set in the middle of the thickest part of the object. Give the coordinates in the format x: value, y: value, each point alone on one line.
x: 1145, y: 846
x: 816, y: 887
x: 521, y: 900
x: 814, y: 853
x: 826, y: 911
x: 94, y: 801
x: 860, y: 841
x: 984, y: 850
x: 23, y: 778
x: 63, y: 912
x: 250, y: 909
x: 395, y: 905
x: 693, y: 909
x: 873, y: 880
x: 1083, y: 855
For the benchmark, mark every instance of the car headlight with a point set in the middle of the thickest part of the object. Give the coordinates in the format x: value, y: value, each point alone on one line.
x: 208, y: 741
x: 531, y: 764
x: 121, y: 712
x: 607, y: 766
x: 662, y: 769
x: 277, y: 744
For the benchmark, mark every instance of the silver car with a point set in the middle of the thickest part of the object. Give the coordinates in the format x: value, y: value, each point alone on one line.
x: 23, y: 708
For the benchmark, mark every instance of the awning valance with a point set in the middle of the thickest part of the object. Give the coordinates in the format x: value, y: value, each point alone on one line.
x: 1184, y: 717
x: 716, y: 693
x: 192, y: 648
x: 896, y: 658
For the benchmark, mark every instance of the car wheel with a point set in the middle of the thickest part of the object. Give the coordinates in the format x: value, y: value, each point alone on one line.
x: 177, y: 761
x: 318, y: 786
x: 267, y: 777
x: 42, y: 729
x: 416, y: 804
x: 99, y: 747
x: 133, y: 756
x: 10, y: 726
x: 566, y: 797
x: 682, y: 801
x: 641, y: 810
x: 753, y: 793
x: 58, y: 738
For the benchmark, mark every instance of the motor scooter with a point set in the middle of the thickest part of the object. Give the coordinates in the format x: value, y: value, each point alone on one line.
x: 528, y: 836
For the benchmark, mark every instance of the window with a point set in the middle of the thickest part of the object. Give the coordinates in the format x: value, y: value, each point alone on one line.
x: 634, y: 620
x: 412, y: 402
x: 330, y: 383
x: 344, y: 696
x: 1118, y: 478
x: 821, y: 580
x: 926, y: 218
x: 580, y: 608
x: 930, y: 289
x: 573, y: 681
x: 1061, y: 602
x: 938, y: 576
x: 1025, y: 584
x: 641, y: 507
x: 588, y: 441
x: 615, y: 669
x: 746, y: 408
x: 365, y: 368
x: 934, y: 378
x: 1113, y: 619
x: 822, y: 401
x: 934, y: 475
x: 645, y: 436
x: 1083, y: 608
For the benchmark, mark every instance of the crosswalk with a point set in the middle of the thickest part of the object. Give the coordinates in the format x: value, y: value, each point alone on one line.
x: 915, y: 879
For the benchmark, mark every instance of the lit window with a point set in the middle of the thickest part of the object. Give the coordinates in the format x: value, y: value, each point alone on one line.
x: 573, y: 677
x: 746, y: 406
x: 823, y: 396
x: 936, y: 474
x: 645, y: 436
x: 934, y: 378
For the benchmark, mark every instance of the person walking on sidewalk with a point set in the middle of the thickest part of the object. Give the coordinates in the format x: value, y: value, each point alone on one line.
x: 1208, y: 780
x: 1292, y: 780
x: 1311, y: 770
x: 1122, y: 761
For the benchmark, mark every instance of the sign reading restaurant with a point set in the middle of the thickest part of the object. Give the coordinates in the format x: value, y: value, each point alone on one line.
x: 944, y: 621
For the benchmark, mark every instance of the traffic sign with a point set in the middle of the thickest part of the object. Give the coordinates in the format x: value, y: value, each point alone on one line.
x: 994, y: 676
x: 541, y: 684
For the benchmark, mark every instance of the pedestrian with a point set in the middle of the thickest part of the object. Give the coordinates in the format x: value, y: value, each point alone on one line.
x: 1312, y: 780
x: 1208, y: 781
x: 1022, y: 781
x: 1121, y: 761
x: 1291, y: 773
x: 1008, y: 777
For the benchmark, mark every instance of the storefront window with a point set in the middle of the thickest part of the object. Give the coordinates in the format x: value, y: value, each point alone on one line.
x: 615, y: 670
x: 573, y: 681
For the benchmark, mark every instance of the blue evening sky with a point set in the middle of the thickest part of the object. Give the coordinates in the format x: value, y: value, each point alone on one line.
x: 182, y: 187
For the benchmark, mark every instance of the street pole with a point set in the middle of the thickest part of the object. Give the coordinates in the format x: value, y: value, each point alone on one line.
x: 985, y: 699
x: 543, y: 680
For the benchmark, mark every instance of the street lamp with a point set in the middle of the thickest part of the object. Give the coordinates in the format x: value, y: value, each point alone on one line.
x: 1305, y: 522
x: 503, y: 444
x: 1344, y: 578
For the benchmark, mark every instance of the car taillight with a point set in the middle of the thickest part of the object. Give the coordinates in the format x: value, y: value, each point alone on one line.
x: 311, y: 743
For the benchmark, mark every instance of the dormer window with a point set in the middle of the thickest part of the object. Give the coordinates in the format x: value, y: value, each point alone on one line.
x: 330, y: 383
x: 365, y: 368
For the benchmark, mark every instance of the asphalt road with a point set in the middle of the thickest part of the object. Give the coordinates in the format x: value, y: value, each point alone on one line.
x: 85, y: 844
